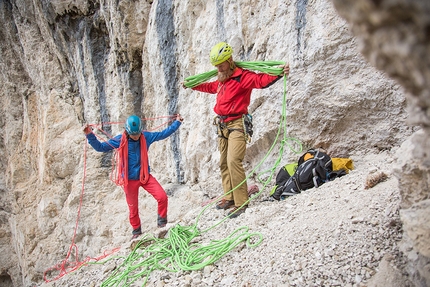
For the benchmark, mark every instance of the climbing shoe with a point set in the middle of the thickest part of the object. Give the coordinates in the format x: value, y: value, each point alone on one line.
x: 225, y: 204
x: 161, y: 221
x: 136, y: 233
x: 236, y: 211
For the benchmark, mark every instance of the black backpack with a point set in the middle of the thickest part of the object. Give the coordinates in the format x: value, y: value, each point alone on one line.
x: 313, y: 170
x: 283, y: 175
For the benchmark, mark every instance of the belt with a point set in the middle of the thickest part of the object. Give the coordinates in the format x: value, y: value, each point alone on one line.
x: 230, y: 117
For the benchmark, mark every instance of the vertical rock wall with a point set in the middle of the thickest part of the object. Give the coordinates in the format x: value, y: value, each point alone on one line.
x: 66, y: 63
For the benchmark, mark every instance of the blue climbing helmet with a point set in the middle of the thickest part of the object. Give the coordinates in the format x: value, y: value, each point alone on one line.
x: 133, y: 125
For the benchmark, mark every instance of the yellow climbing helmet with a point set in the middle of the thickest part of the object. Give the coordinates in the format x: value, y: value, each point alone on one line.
x: 221, y: 52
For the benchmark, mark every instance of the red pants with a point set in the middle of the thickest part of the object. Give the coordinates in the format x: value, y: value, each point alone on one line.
x: 132, y: 197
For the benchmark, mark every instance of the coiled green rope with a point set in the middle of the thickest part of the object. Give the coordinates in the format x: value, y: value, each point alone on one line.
x: 269, y: 67
x: 176, y: 252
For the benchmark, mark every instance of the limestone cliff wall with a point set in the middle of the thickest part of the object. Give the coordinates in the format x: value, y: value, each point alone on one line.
x: 67, y: 63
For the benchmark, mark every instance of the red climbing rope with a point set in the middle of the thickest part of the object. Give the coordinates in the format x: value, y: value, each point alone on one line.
x: 68, y: 264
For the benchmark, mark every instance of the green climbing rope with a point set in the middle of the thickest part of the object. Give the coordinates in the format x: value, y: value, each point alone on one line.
x: 176, y: 252
x: 273, y: 68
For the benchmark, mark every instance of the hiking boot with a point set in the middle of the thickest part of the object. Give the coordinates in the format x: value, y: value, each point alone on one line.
x: 161, y: 221
x: 225, y: 204
x: 136, y: 233
x: 236, y: 211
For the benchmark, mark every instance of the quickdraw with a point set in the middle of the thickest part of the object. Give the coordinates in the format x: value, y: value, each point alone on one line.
x: 220, y: 126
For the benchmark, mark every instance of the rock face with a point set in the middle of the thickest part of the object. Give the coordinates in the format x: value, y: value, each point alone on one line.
x: 67, y: 63
x: 393, y: 36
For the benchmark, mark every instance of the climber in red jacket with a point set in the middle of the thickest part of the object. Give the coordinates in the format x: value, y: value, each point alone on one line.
x: 233, y: 88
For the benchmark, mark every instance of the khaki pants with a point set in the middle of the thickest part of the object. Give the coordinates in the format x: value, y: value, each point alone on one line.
x: 232, y: 147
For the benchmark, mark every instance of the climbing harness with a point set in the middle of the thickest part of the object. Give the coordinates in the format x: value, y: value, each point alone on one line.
x: 223, y: 131
x: 221, y: 127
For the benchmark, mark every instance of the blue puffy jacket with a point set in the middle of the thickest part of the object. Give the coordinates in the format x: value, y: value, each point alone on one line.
x: 133, y: 146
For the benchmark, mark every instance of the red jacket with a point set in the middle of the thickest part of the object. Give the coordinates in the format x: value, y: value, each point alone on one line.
x: 234, y: 95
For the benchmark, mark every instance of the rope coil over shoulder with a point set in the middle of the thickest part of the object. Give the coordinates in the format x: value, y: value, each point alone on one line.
x: 269, y: 67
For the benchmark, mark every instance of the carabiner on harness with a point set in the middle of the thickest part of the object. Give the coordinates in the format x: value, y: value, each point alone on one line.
x: 220, y: 126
